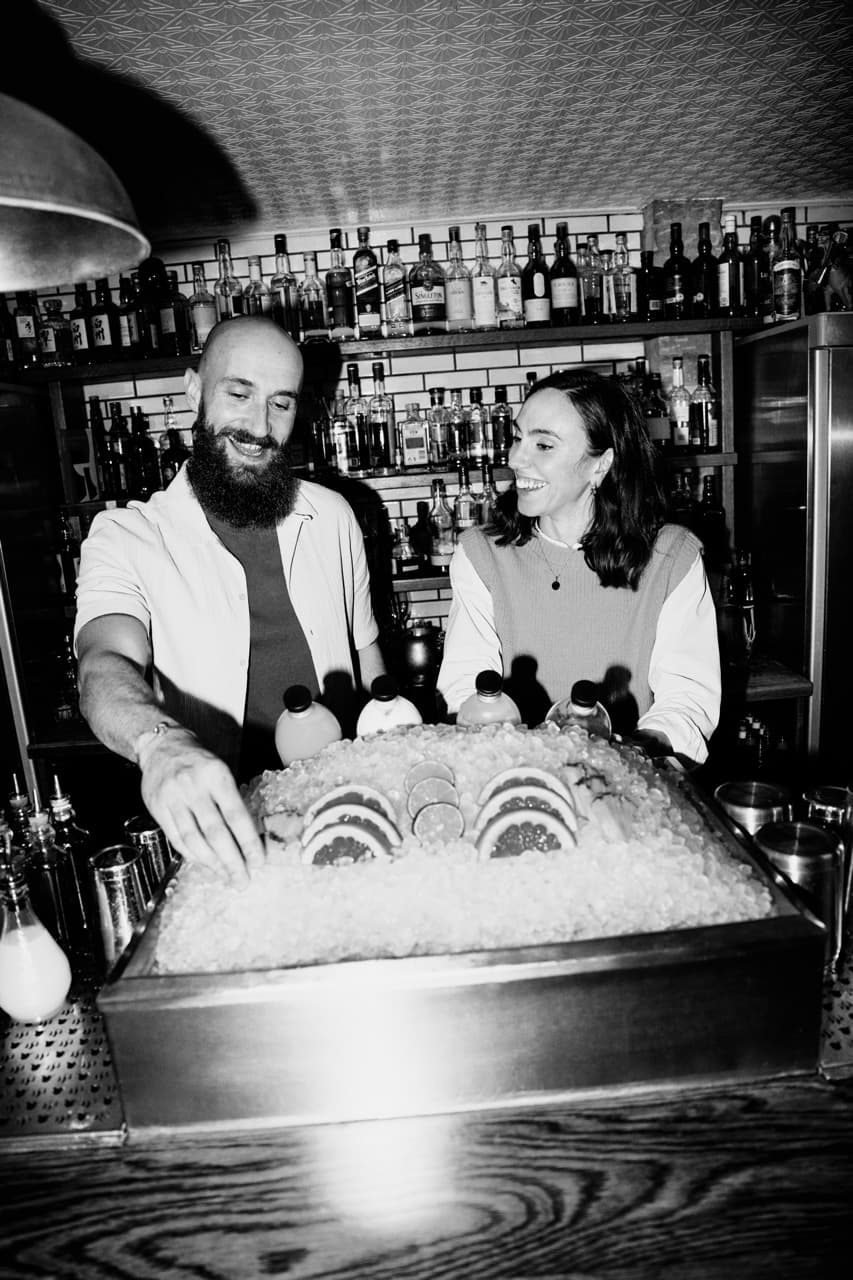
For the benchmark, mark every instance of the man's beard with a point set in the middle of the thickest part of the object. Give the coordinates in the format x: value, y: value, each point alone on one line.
x: 246, y: 497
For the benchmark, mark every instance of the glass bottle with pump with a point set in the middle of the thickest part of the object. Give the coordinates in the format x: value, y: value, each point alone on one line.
x: 284, y: 290
x: 381, y: 426
x: 582, y: 710
x: 357, y: 411
x: 704, y: 275
x: 679, y: 407
x: 438, y: 417
x: 441, y: 529
x: 339, y: 290
x: 788, y: 274
x: 489, y: 703
x: 484, y: 284
x: 35, y: 976
x: 257, y: 299
x: 502, y: 424
x: 202, y: 310
x: 535, y: 283
x: 704, y: 413
x: 312, y: 300
x: 365, y: 268
x: 677, y: 280
x: 730, y: 272
x: 564, y: 281
x: 459, y: 298
x: 426, y: 286
x: 228, y: 290
x: 510, y: 308
x: 304, y: 727
x: 395, y: 289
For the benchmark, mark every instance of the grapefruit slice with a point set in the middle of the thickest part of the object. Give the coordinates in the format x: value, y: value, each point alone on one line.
x: 439, y: 822
x: 356, y: 793
x: 429, y: 769
x: 519, y: 831
x: 348, y: 811
x: 343, y: 843
x: 524, y: 775
x: 526, y: 797
x: 431, y: 791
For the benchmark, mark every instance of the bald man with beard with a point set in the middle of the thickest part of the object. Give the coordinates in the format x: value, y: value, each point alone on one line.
x: 197, y: 608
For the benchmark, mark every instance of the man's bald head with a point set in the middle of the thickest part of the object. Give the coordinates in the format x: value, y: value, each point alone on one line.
x: 227, y: 336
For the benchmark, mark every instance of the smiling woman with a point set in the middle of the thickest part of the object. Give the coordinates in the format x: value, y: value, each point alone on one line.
x: 579, y: 577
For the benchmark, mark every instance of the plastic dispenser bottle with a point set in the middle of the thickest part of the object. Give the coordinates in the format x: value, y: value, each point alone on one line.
x: 488, y: 704
x: 583, y: 709
x: 35, y: 975
x: 387, y: 708
x: 304, y: 727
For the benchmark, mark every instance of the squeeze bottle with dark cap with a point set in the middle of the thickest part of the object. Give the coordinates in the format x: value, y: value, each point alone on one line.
x: 386, y: 709
x: 304, y: 727
x: 489, y: 704
x: 583, y: 709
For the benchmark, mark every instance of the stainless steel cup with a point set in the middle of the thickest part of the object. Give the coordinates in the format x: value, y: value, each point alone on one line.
x: 752, y: 804
x: 810, y: 857
x: 144, y: 834
x: 121, y: 892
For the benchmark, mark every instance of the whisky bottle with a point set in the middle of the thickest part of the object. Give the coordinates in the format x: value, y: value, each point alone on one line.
x: 649, y: 288
x: 679, y: 407
x: 624, y: 281
x: 106, y: 338
x: 27, y: 319
x: 54, y: 336
x: 227, y: 291
x: 128, y: 320
x: 357, y: 412
x: 772, y: 227
x: 704, y: 275
x: 502, y: 423
x: 787, y: 274
x: 144, y: 470
x: 484, y: 284
x: 395, y: 290
x: 257, y: 299
x: 339, y: 291
x: 148, y: 283
x: 535, y: 283
x: 381, y: 425
x: 657, y: 415
x: 730, y: 272
x: 438, y: 417
x: 174, y: 318
x: 704, y: 414
x: 510, y: 308
x: 100, y: 448
x: 426, y: 283
x: 365, y: 266
x: 564, y: 281
x: 81, y: 329
x: 202, y: 310
x: 173, y: 451
x: 284, y: 290
x: 677, y: 283
x: 312, y: 300
x: 458, y: 294
x: 344, y: 449
x: 756, y: 276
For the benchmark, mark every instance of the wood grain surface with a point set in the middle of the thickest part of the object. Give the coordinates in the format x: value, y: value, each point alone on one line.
x: 742, y: 1183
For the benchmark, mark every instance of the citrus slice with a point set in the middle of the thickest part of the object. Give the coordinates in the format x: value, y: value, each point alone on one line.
x: 439, y: 821
x: 343, y: 843
x: 349, y: 811
x: 526, y: 797
x: 524, y: 775
x: 429, y: 769
x: 356, y: 793
x: 519, y: 831
x: 431, y: 791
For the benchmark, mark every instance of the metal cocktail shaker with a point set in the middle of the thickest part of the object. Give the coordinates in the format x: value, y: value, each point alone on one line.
x: 122, y: 892
x: 810, y: 857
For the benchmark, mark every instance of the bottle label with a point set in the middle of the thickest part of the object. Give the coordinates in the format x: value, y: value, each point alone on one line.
x: 485, y: 302
x: 564, y: 293
x: 47, y: 340
x: 625, y: 294
x: 539, y: 289
x: 101, y: 334
x: 26, y: 327
x: 787, y: 290
x: 509, y: 296
x: 537, y: 310
x: 658, y: 428
x: 415, y: 451
x: 675, y: 291
x: 10, y: 350
x: 167, y: 320
x: 203, y: 318
x: 655, y: 305
x: 128, y: 328
x: 395, y: 296
x: 457, y: 294
x: 428, y: 302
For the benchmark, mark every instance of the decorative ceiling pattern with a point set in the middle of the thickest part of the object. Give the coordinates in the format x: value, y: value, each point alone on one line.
x: 298, y: 113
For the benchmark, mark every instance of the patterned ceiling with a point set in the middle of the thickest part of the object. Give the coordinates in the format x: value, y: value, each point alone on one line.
x: 299, y: 113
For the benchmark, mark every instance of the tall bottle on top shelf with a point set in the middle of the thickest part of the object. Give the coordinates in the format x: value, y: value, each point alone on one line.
x: 704, y: 275
x: 312, y: 300
x: 679, y: 407
x: 395, y: 290
x: 54, y: 336
x: 130, y: 339
x: 284, y: 290
x: 649, y: 288
x: 257, y: 299
x: 677, y: 278
x: 426, y: 286
x: 340, y: 301
x: 624, y: 281
x: 228, y: 291
x: 381, y: 425
x: 148, y: 284
x: 730, y: 272
x: 202, y: 306
x: 535, y: 283
x: 174, y: 319
x: 704, y: 411
x: 458, y: 293
x: 564, y: 281
x: 365, y: 269
x: 484, y: 283
x: 510, y: 308
x: 756, y: 275
x: 788, y: 274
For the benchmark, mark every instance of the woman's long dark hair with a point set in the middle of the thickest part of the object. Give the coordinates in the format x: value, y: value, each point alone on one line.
x: 629, y: 502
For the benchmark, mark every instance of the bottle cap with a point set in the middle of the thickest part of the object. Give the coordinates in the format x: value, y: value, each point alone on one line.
x: 584, y: 693
x: 384, y: 688
x: 297, y: 698
x: 363, y: 233
x: 393, y: 246
x: 489, y: 683
x: 335, y: 237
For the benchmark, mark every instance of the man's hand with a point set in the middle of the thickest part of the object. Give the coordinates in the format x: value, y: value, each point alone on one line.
x: 193, y: 796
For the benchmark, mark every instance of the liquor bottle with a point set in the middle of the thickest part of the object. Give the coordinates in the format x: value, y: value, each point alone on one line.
x: 704, y: 275
x: 488, y: 495
x: 27, y: 319
x: 18, y: 811
x: 772, y: 227
x: 711, y: 525
x: 148, y: 283
x: 484, y: 283
x: 680, y: 503
x: 395, y: 290
x: 704, y: 414
x: 54, y: 336
x: 502, y: 424
x: 130, y: 346
x: 365, y: 268
x: 564, y: 281
x: 202, y: 310
x: 730, y: 272
x: 343, y: 441
x: 174, y: 319
x: 257, y: 299
x: 535, y: 283
x: 381, y: 426
x: 510, y: 308
x: 813, y: 297
x: 787, y: 274
x: 649, y: 288
x: 464, y: 507
x: 479, y: 428
x: 173, y: 451
x: 426, y: 285
x: 312, y: 300
x: 677, y: 280
x: 340, y: 303
x: 438, y: 417
x: 357, y: 411
x: 8, y: 339
x: 656, y: 413
x: 146, y: 462
x: 66, y: 707
x: 414, y: 440
x: 756, y: 276
x: 457, y: 430
x: 80, y: 844
x: 679, y: 407
x: 314, y: 410
x: 589, y: 273
x: 100, y: 448
x: 405, y: 562
x: 624, y: 281
x: 228, y: 290
x: 81, y: 328
x: 35, y: 975
x: 67, y: 557
x: 284, y: 290
x: 531, y: 378
x: 441, y: 529
x: 458, y: 294
x: 106, y: 335
x: 608, y: 287
x: 118, y: 446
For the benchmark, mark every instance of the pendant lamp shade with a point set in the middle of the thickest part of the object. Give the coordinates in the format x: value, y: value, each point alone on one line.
x: 64, y: 215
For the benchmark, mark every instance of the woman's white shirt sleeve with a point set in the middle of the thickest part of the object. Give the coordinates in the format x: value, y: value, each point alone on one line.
x: 471, y: 642
x: 684, y: 670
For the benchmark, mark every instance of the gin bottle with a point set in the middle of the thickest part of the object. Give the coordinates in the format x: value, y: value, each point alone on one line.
x: 202, y: 310
x: 459, y: 298
x: 437, y: 418
x: 312, y: 300
x: 484, y: 284
x: 510, y: 308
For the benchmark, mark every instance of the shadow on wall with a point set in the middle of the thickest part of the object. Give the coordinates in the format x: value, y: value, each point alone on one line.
x: 177, y: 178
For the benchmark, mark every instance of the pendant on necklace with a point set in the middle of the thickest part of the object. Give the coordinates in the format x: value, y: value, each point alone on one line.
x: 555, y: 585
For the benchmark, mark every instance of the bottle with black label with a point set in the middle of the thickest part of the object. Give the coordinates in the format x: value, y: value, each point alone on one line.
x: 81, y: 329
x: 564, y: 281
x: 535, y: 283
x: 27, y: 319
x: 730, y: 272
x: 649, y: 288
x: 106, y: 333
x: 677, y: 278
x: 704, y: 413
x: 365, y: 267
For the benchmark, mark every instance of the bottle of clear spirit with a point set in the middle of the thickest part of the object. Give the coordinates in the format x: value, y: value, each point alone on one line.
x: 704, y: 414
x: 312, y: 300
x: 589, y: 270
x: 457, y: 430
x: 441, y: 529
x: 284, y: 290
x: 202, y: 310
x: 228, y: 290
x: 484, y: 283
x: 510, y: 307
x: 381, y: 426
x: 679, y: 407
x: 464, y: 507
x: 624, y: 281
x: 257, y: 299
x: 457, y: 287
x: 414, y: 440
x: 479, y: 428
x: 438, y: 417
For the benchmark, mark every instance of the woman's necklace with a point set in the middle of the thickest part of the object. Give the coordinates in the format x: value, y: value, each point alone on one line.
x: 540, y: 537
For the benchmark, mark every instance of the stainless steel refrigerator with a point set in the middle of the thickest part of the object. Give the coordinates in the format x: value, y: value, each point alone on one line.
x: 794, y: 511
